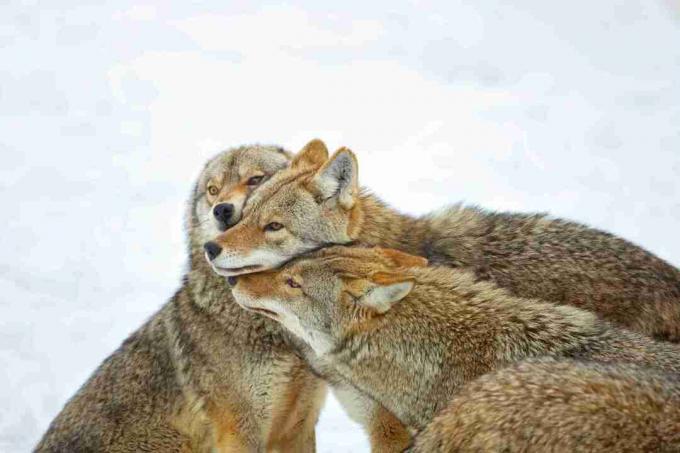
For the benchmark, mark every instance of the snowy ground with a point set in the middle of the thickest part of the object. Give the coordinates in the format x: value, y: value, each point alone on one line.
x: 107, y: 111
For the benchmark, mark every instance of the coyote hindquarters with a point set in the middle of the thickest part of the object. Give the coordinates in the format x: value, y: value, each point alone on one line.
x: 561, y: 406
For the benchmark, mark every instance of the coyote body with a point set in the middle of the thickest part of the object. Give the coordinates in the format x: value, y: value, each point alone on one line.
x: 410, y: 336
x: 560, y: 406
x: 318, y: 202
x: 202, y: 375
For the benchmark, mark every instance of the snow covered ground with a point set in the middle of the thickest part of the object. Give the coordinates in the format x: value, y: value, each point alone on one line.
x: 108, y: 110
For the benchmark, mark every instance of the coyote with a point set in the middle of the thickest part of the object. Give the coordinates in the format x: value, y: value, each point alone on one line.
x: 318, y: 202
x: 409, y: 335
x: 560, y: 406
x: 202, y: 375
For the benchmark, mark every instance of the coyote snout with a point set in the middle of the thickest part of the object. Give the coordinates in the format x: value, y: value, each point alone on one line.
x: 228, y: 262
x: 224, y: 214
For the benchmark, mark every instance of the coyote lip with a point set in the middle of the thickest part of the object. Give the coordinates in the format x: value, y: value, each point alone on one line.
x: 263, y: 311
x: 233, y: 271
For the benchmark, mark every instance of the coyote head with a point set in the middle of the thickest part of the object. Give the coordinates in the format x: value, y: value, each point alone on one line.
x: 226, y: 183
x: 329, y: 292
x: 307, y: 206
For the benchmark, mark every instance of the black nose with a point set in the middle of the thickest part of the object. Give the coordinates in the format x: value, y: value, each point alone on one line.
x: 232, y: 281
x: 212, y: 249
x: 223, y: 212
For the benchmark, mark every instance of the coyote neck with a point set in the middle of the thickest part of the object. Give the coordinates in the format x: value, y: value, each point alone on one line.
x: 377, y: 224
x: 209, y: 297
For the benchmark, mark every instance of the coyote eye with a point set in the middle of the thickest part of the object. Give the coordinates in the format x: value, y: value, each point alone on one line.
x: 274, y: 226
x: 292, y: 283
x: 255, y: 180
x: 213, y: 190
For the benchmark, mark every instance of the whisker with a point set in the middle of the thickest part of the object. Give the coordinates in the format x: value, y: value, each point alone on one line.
x: 204, y: 221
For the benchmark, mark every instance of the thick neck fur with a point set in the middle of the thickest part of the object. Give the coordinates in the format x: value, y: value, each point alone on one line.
x: 447, y: 331
x: 535, y: 256
x: 210, y: 297
x: 374, y: 223
x: 450, y: 237
x: 213, y: 343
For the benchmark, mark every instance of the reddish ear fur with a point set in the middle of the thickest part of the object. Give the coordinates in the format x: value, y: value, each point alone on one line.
x: 314, y: 155
x: 389, y: 278
x: 401, y: 259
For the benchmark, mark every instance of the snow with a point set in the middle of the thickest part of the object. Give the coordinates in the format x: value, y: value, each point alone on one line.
x: 108, y: 111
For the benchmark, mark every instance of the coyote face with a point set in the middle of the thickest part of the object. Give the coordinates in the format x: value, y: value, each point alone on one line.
x: 305, y: 207
x: 226, y: 183
x: 320, y: 296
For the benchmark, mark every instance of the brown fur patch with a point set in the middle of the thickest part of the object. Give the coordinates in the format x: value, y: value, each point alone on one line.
x: 238, y: 192
x: 261, y: 285
x: 389, y: 278
x: 226, y: 431
x: 241, y: 238
x: 402, y: 259
x: 386, y: 433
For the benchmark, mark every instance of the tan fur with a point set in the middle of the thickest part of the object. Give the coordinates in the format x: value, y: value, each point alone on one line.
x: 386, y: 432
x: 202, y: 375
x: 530, y: 255
x: 226, y: 432
x: 560, y: 406
x: 412, y: 340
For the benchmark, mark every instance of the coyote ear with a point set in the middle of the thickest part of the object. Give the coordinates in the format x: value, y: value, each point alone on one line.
x: 337, y: 178
x: 385, y: 290
x: 314, y: 154
x: 401, y: 259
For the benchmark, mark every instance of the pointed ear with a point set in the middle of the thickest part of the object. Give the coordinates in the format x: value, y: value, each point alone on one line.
x: 338, y: 178
x: 385, y: 290
x: 314, y: 154
x: 401, y: 259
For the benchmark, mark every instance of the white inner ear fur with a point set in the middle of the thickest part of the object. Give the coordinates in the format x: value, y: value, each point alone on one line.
x: 382, y: 297
x: 338, y: 178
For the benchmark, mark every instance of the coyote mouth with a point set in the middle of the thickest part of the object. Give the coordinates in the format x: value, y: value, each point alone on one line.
x: 233, y: 271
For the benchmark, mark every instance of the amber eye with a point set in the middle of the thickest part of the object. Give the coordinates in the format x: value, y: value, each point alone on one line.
x: 255, y: 180
x: 274, y: 226
x: 213, y: 190
x: 292, y: 283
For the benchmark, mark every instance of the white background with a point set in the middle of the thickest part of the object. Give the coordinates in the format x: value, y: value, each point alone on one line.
x: 108, y: 112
